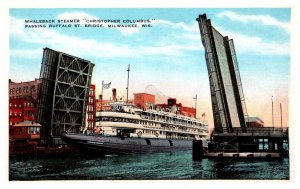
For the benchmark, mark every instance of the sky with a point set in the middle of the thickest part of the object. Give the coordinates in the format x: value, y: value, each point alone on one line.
x: 168, y: 56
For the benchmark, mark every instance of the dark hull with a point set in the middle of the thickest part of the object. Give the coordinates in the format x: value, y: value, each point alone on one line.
x: 97, y: 144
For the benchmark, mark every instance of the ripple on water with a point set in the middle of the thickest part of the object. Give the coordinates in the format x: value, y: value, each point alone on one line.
x: 177, y: 165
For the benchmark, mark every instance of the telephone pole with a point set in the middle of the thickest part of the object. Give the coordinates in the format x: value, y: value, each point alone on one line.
x: 280, y: 115
x: 272, y: 113
x: 195, y: 105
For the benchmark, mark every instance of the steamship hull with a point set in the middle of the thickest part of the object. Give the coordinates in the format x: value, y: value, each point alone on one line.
x: 96, y: 144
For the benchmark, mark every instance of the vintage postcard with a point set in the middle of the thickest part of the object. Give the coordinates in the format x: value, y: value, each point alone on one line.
x: 149, y: 94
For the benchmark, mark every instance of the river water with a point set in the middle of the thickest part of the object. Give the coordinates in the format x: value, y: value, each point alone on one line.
x: 160, y: 166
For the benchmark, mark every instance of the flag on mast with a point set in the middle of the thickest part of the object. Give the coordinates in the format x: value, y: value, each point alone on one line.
x: 195, y: 97
x: 106, y: 86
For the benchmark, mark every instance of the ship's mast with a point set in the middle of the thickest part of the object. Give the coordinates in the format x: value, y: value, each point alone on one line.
x: 128, y: 70
x: 102, y: 96
x: 195, y: 106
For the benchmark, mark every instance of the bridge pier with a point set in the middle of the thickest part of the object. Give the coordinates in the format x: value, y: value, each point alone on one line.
x: 198, y: 151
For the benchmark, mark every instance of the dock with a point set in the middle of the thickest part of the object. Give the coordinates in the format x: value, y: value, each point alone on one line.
x: 263, y: 142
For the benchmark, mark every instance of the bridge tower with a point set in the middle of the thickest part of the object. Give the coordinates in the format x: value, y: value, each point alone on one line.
x: 64, y: 92
x: 228, y: 102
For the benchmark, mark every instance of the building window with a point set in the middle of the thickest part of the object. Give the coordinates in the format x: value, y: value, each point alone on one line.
x: 15, y: 113
x: 10, y: 104
x: 32, y: 89
x: 20, y: 131
x: 263, y: 144
x: 285, y: 144
x: 10, y: 114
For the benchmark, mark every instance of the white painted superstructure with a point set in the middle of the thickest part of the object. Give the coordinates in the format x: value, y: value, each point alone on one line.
x: 128, y: 121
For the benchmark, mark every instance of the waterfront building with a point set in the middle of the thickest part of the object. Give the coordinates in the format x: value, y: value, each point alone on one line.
x: 254, y: 121
x: 26, y: 130
x: 23, y: 98
x: 91, y: 109
x: 144, y: 100
x: 25, y: 89
x: 25, y: 136
x: 22, y: 109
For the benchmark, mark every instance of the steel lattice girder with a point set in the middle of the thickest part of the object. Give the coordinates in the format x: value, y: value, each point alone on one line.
x: 64, y: 94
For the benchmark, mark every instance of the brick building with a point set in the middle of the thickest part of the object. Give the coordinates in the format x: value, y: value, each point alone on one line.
x: 91, y: 109
x: 144, y: 100
x: 23, y: 102
x: 20, y: 110
x: 24, y: 138
x: 254, y: 122
x: 26, y: 130
x: 25, y: 89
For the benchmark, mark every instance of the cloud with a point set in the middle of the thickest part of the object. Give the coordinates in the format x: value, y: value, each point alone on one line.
x: 26, y: 53
x: 189, y: 40
x: 75, y: 15
x: 255, y: 44
x: 75, y: 45
x: 167, y: 50
x: 90, y: 47
x: 179, y: 25
x: 263, y: 19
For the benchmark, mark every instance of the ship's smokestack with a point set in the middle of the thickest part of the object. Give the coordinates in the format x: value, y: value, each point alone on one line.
x: 172, y: 101
x: 172, y: 105
x: 114, y: 94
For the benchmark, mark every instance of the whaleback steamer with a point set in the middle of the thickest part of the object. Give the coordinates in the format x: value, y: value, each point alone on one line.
x: 126, y: 129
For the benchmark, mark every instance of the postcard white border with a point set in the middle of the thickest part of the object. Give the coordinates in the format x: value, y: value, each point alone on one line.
x: 294, y: 89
